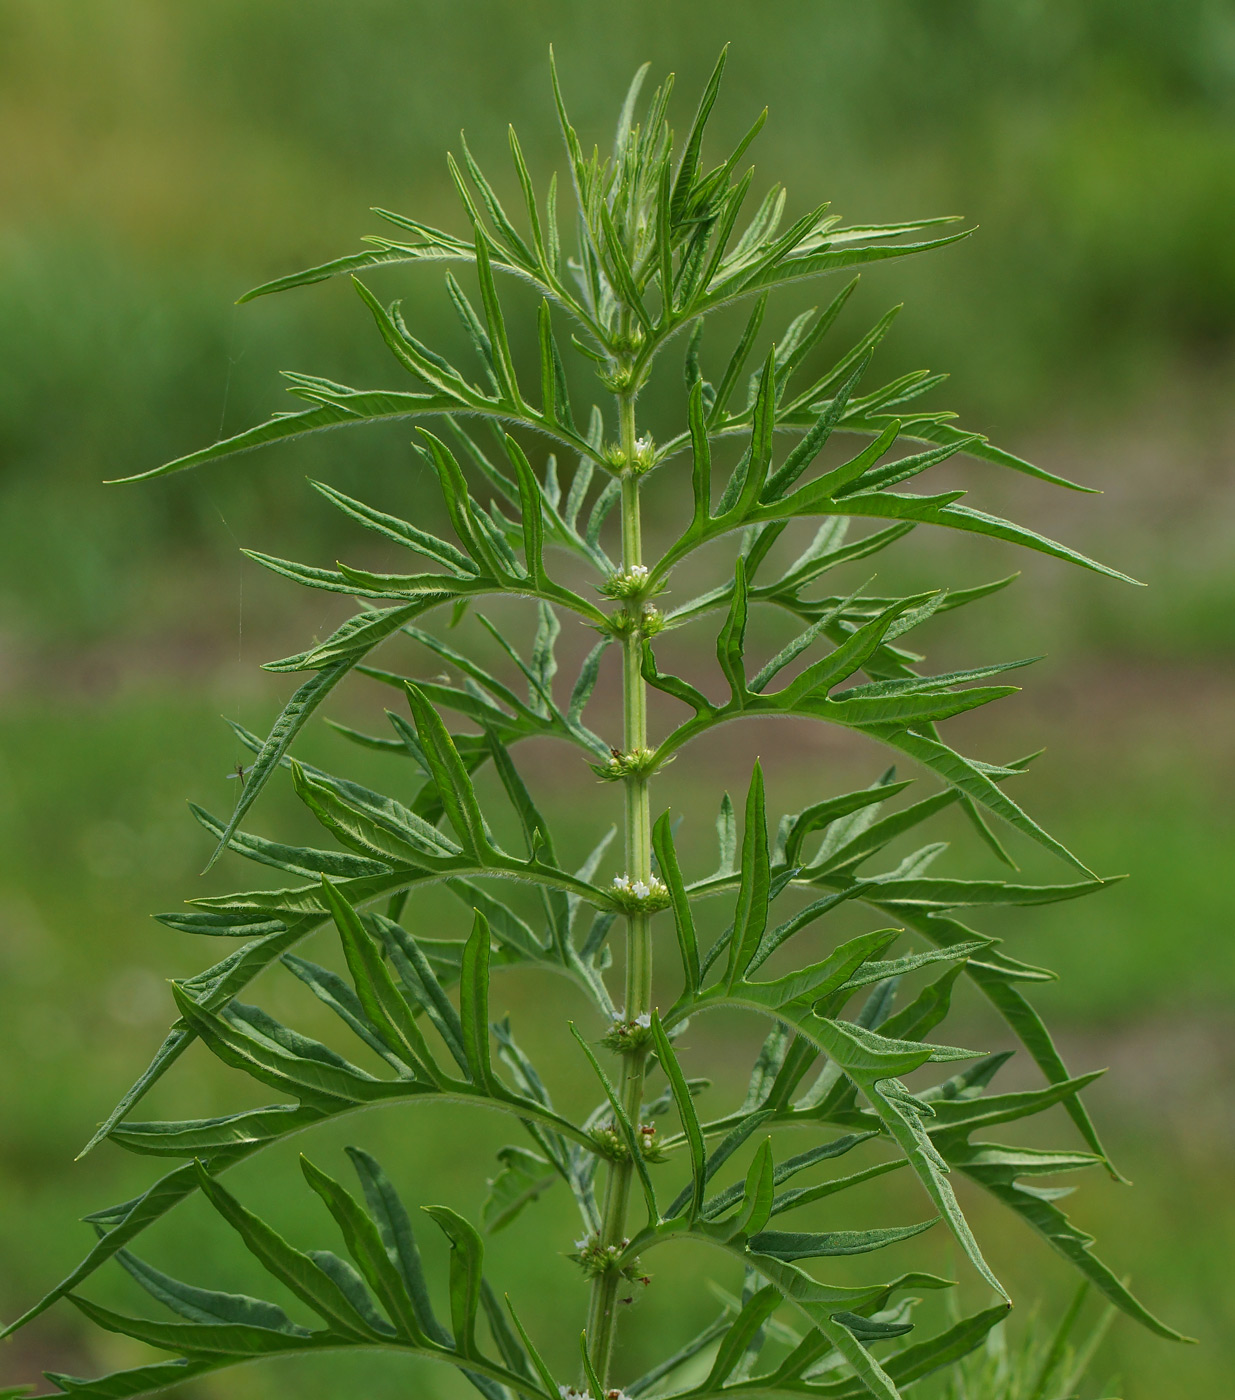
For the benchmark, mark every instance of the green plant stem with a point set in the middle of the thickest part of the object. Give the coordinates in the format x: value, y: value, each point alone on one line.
x: 604, y: 1301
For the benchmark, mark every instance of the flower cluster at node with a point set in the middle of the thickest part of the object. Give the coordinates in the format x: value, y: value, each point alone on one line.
x: 645, y: 455
x: 610, y: 1142
x: 596, y: 1259
x: 645, y: 620
x: 625, y: 764
x: 568, y: 1392
x: 642, y: 457
x: 627, y: 1034
x: 629, y: 582
x: 617, y: 378
x: 639, y: 896
x: 629, y: 341
x: 615, y: 456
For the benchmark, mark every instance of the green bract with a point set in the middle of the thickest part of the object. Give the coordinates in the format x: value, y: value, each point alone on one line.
x: 658, y: 243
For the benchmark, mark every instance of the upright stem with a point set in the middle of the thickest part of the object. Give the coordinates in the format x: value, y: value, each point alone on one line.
x: 604, y: 1301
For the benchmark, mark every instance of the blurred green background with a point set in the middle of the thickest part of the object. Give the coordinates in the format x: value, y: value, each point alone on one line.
x: 160, y: 158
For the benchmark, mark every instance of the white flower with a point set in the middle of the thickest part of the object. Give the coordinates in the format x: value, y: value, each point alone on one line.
x: 640, y: 890
x: 637, y: 571
x: 582, y: 1243
x: 618, y: 1016
x: 644, y: 1019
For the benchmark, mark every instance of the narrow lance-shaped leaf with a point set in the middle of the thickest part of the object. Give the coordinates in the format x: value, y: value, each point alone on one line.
x: 206, y: 1305
x: 812, y: 443
x: 938, y: 510
x: 688, y: 168
x: 352, y: 827
x: 474, y: 1005
x: 737, y: 361
x: 802, y: 642
x: 757, y: 1195
x: 533, y: 512
x: 788, y: 361
x: 466, y: 1265
x: 335, y: 992
x: 421, y: 981
x: 902, y: 1116
x: 433, y: 371
x: 219, y: 1341
x: 748, y: 480
x: 555, y: 394
x: 686, y: 1112
x: 125, y: 1224
x: 247, y: 1039
x: 292, y: 1268
x: 850, y: 656
x: 750, y: 915
x: 823, y: 814
x: 493, y: 205
x: 220, y: 983
x: 729, y: 1145
x: 458, y: 504
x: 529, y: 196
x: 454, y: 783
x: 295, y: 714
x: 503, y: 363
x: 400, y: 531
x: 364, y: 1244
x: 683, y: 919
x: 397, y: 1236
x: 983, y: 1164
x: 701, y: 450
x: 746, y: 1327
x: 619, y: 266
x: 384, y: 1004
x: 730, y: 643
x: 304, y: 861
x: 973, y: 782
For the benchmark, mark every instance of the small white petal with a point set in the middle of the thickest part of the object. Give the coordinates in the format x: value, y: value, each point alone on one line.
x: 644, y: 1020
x: 640, y: 889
